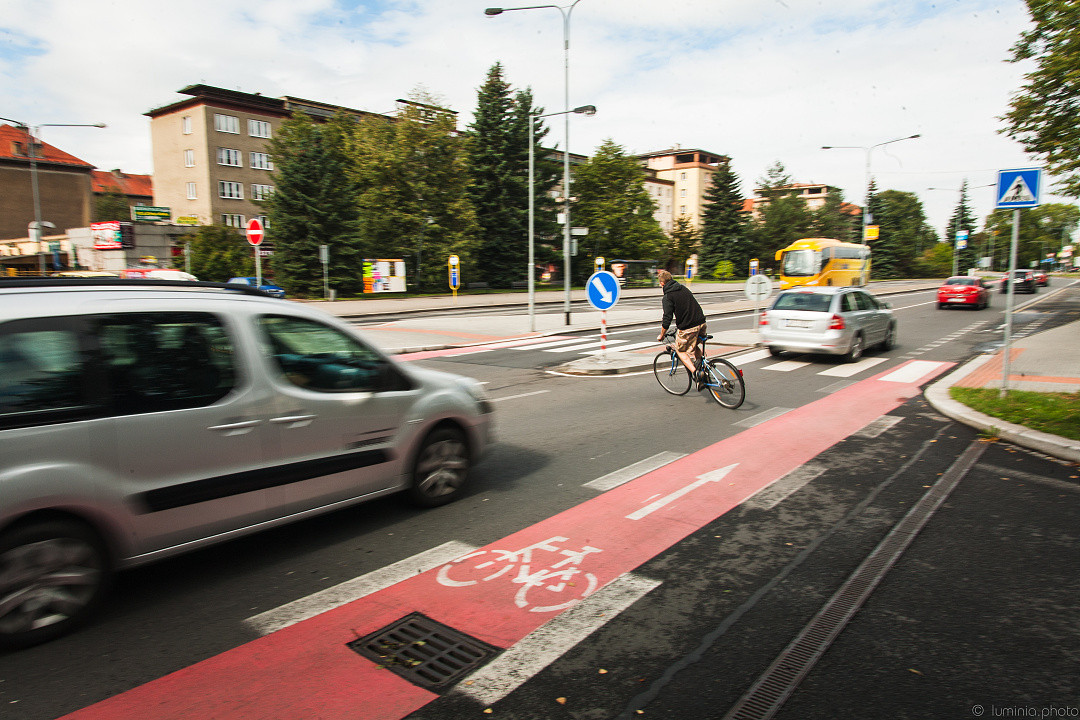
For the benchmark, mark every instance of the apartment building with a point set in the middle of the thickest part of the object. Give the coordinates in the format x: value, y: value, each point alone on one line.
x: 689, y: 172
x: 211, y: 152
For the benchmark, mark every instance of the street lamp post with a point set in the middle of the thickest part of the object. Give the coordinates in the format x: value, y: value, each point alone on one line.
x: 32, y: 133
x: 565, y: 12
x: 583, y: 110
x: 868, y: 151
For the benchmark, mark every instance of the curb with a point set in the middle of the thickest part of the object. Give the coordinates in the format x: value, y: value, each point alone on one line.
x: 938, y: 397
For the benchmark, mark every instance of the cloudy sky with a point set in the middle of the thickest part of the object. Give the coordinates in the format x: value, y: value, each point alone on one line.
x: 757, y: 80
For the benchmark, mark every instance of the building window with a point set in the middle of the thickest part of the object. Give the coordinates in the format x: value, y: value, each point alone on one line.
x: 233, y: 220
x: 265, y: 220
x: 227, y: 123
x: 191, y: 194
x: 682, y: 176
x: 682, y: 193
x: 230, y: 190
x: 189, y: 158
x: 261, y: 192
x: 228, y: 156
x: 258, y: 128
x: 682, y: 209
x: 185, y: 124
x: 261, y: 161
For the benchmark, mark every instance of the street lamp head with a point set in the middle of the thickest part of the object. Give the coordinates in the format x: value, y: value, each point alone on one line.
x: 589, y: 110
x: 493, y: 11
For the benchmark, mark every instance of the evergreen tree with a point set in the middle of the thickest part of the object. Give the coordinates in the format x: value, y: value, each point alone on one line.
x: 724, y: 231
x: 412, y: 175
x: 314, y: 203
x: 962, y: 220
x: 903, y: 234
x: 1043, y: 114
x: 831, y: 221
x: 499, y: 167
x: 614, y: 205
x: 679, y: 246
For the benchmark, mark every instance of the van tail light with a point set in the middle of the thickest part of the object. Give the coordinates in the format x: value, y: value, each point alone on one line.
x: 837, y: 323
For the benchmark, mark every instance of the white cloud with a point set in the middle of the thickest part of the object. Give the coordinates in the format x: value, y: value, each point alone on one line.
x: 758, y: 80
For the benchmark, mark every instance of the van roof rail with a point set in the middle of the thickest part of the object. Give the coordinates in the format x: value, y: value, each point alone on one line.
x: 38, y: 282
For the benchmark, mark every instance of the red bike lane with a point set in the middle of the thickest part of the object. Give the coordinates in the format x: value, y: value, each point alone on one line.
x: 308, y: 671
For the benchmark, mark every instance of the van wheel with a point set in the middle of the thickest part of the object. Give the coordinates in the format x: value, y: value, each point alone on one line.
x: 441, y: 468
x: 856, y: 350
x: 53, y: 576
x: 775, y: 352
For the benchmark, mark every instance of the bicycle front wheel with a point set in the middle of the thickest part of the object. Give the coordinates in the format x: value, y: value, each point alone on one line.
x: 670, y: 373
x: 725, y: 382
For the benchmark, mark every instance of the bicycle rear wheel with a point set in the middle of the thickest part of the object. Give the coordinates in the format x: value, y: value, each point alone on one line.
x: 725, y: 382
x: 670, y: 373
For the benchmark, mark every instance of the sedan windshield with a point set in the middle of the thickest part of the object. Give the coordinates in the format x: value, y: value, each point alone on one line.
x: 812, y: 302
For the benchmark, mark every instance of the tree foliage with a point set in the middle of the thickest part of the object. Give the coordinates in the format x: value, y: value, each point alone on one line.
x: 962, y: 219
x: 314, y: 203
x: 614, y: 205
x: 111, y: 205
x: 679, y: 246
x: 724, y: 223
x: 218, y: 253
x: 903, y: 234
x: 782, y: 219
x: 1044, y: 112
x: 1043, y: 230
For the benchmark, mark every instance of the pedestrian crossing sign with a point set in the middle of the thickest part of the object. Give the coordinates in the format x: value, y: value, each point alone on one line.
x: 1018, y: 188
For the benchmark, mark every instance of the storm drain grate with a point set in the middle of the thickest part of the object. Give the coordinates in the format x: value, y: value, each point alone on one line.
x: 425, y: 652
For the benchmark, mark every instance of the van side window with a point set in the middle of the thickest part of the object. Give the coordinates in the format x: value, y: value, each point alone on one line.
x: 165, y: 361
x: 847, y: 303
x: 42, y: 378
x: 321, y: 358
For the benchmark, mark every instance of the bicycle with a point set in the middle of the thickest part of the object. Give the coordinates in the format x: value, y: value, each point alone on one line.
x: 723, y: 380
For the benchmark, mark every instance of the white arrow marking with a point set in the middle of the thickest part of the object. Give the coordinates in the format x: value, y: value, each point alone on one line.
x: 605, y: 295
x: 713, y: 476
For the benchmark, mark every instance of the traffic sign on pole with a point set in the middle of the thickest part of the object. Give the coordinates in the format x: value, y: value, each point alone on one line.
x: 603, y: 290
x: 1018, y: 188
x: 254, y: 232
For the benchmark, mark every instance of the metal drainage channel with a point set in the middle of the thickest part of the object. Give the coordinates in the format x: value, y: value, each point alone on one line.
x: 776, y: 685
x: 425, y: 652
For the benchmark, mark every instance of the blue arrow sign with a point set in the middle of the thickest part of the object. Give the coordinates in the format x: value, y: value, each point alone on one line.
x: 603, y: 290
x: 1018, y: 188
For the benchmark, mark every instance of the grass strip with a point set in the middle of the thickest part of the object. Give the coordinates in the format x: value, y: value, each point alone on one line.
x: 1054, y: 413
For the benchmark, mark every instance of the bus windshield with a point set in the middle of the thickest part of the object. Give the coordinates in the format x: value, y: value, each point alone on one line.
x: 801, y: 263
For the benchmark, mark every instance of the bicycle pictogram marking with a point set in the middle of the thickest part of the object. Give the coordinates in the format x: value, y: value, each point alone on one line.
x: 561, y: 580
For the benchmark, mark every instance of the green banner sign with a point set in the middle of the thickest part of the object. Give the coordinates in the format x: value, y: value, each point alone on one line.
x: 146, y: 213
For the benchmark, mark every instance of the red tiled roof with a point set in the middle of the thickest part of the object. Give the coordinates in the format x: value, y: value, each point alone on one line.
x: 137, y: 185
x: 9, y: 136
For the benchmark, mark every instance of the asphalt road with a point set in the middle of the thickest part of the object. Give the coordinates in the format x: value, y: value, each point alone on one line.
x: 978, y: 611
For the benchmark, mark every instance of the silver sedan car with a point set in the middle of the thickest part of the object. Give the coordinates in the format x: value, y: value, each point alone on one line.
x: 828, y: 320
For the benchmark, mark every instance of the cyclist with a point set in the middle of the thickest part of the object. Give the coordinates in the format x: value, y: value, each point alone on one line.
x: 681, y: 304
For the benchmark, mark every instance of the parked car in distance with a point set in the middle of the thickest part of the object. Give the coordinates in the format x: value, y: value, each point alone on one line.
x: 84, y: 274
x: 141, y: 419
x: 965, y: 290
x: 1041, y: 278
x: 829, y: 320
x: 267, y: 287
x: 157, y: 274
x: 1022, y: 281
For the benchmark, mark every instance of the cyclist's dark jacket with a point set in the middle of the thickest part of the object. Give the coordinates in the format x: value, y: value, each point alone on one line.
x: 680, y: 302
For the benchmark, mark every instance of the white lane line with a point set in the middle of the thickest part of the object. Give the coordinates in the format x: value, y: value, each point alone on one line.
x: 712, y: 476
x: 769, y: 497
x: 763, y: 417
x: 521, y: 395
x: 308, y: 607
x: 552, y: 640
x: 631, y: 472
x: 911, y: 372
x: 786, y: 366
x: 877, y: 427
x: 553, y: 343
x: 584, y: 346
x: 634, y: 346
x: 740, y: 360
x: 853, y: 368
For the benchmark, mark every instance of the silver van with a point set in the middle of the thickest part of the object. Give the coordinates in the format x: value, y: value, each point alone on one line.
x: 144, y: 418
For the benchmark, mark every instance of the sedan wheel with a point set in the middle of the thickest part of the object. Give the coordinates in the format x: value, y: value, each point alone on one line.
x: 856, y: 350
x: 53, y: 575
x: 441, y: 468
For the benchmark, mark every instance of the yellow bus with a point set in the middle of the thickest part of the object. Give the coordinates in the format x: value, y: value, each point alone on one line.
x: 823, y: 261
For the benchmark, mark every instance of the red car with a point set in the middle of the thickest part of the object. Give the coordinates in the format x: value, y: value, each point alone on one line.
x: 964, y: 290
x: 1041, y: 278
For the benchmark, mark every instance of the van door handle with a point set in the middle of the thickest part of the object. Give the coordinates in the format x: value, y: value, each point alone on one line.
x: 293, y: 419
x: 236, y: 428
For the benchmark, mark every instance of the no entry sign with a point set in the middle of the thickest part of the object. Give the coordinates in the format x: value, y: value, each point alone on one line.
x: 255, y: 232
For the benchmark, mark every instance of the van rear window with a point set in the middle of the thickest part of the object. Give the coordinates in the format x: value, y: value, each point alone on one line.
x: 812, y: 302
